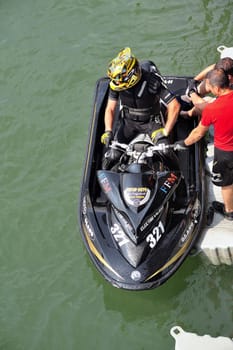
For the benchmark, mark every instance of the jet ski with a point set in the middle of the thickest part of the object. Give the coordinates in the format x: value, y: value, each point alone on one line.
x: 140, y: 219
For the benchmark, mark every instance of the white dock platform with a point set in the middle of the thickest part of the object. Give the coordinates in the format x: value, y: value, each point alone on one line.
x: 191, y: 341
x: 216, y: 241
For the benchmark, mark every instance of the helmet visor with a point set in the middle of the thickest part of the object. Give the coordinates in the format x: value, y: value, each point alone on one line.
x: 124, y: 76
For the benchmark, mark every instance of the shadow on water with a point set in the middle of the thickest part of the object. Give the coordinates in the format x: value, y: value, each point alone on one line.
x: 146, y: 304
x: 198, y: 297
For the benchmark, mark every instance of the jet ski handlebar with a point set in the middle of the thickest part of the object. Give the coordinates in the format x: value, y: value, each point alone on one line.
x: 144, y: 149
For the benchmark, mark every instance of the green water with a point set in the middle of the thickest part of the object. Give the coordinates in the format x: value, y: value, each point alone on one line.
x: 51, y: 53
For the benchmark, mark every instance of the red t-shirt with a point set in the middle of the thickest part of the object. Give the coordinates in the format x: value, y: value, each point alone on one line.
x: 220, y: 114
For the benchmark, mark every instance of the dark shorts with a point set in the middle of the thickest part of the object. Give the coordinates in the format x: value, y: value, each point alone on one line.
x: 130, y: 129
x: 222, y: 172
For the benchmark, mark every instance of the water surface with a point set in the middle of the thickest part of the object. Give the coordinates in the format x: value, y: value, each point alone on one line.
x: 52, y: 53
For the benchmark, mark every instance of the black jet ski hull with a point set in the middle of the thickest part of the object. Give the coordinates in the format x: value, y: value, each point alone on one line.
x: 100, y: 231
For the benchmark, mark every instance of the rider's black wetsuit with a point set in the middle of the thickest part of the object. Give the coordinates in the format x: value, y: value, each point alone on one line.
x: 141, y: 111
x: 141, y: 105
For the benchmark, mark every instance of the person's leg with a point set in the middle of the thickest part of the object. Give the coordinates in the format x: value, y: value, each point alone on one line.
x: 227, y: 195
x: 124, y: 134
x: 222, y: 176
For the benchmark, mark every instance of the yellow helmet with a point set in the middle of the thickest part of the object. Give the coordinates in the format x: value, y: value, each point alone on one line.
x: 124, y: 70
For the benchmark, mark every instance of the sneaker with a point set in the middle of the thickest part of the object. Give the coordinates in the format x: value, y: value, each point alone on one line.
x: 210, y: 216
x: 219, y: 207
x: 229, y: 216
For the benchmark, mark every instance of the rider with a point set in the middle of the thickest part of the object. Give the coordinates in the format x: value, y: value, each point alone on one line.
x: 140, y: 92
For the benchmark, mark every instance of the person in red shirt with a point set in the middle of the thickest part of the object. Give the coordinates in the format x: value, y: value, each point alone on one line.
x: 219, y: 114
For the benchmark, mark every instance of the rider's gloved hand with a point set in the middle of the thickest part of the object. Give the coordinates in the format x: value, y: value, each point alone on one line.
x: 192, y: 87
x: 158, y: 134
x: 180, y: 146
x: 107, y: 137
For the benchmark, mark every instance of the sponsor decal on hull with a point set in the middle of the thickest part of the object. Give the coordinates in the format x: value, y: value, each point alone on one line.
x: 169, y: 183
x: 85, y: 219
x: 137, y: 196
x: 195, y: 214
x: 104, y: 182
x: 149, y: 221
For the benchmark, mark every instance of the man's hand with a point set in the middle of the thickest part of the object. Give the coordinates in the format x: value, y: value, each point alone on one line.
x: 192, y: 87
x: 107, y: 137
x: 180, y: 146
x: 158, y: 134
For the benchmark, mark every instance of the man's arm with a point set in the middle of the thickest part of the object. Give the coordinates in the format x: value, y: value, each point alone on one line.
x: 202, y: 74
x: 196, y: 134
x: 196, y: 99
x: 109, y: 114
x: 173, y: 109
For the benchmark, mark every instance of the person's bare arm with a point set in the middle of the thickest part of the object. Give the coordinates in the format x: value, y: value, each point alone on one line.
x: 202, y: 74
x: 196, y: 99
x: 109, y: 114
x: 173, y: 109
x: 196, y: 134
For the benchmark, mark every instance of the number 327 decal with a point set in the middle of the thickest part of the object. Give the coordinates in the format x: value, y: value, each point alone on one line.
x: 156, y: 234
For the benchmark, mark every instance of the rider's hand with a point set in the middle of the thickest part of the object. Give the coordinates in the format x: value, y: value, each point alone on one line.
x: 180, y: 146
x: 192, y: 87
x: 158, y: 134
x: 107, y: 137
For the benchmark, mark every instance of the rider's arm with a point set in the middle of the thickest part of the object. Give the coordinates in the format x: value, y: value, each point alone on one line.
x: 173, y: 108
x: 109, y: 114
x: 168, y: 99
